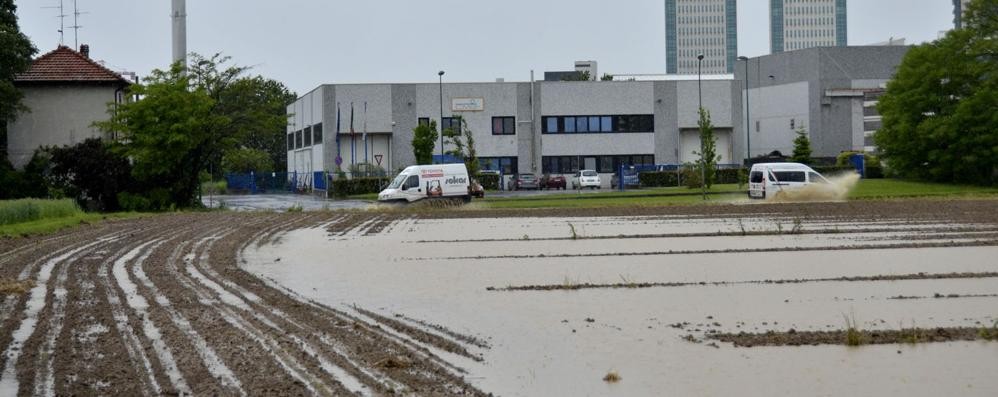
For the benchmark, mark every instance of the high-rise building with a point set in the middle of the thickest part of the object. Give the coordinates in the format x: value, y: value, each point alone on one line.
x: 695, y: 27
x: 799, y: 24
x: 959, y: 8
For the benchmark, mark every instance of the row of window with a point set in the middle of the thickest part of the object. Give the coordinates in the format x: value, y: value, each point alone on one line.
x: 504, y: 165
x: 602, y: 164
x: 305, y: 137
x: 598, y: 124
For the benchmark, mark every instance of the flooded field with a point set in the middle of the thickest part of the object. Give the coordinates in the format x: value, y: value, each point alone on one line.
x: 551, y: 305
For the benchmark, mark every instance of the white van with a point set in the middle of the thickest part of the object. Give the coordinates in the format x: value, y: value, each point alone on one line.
x: 429, y: 182
x: 768, y: 179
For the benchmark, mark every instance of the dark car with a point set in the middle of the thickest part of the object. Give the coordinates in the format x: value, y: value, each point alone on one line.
x: 524, y: 182
x: 553, y: 182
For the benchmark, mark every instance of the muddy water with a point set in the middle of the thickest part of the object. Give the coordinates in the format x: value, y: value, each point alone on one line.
x: 542, y: 344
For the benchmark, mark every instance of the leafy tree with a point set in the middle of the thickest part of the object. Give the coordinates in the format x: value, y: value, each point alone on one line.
x: 708, y: 150
x: 607, y: 77
x: 802, y: 148
x: 424, y: 140
x: 577, y: 76
x: 16, y: 51
x: 464, y: 149
x: 245, y: 160
x: 939, y: 118
x: 171, y: 133
x: 92, y: 173
x: 256, y: 106
x: 29, y: 183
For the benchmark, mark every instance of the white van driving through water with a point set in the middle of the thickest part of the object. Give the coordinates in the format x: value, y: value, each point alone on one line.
x: 769, y: 179
x: 442, y: 181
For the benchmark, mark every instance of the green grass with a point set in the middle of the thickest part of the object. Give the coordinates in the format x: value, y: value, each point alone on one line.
x: 894, y: 188
x: 638, y: 198
x: 26, y: 210
x: 52, y: 225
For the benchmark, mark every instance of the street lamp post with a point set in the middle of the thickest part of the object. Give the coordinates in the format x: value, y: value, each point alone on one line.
x: 703, y: 162
x: 748, y: 122
x: 441, y: 75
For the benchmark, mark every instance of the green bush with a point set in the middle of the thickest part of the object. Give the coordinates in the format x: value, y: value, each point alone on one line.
x: 356, y: 186
x: 216, y: 187
x: 659, y: 179
x: 26, y: 210
x: 489, y: 181
x: 832, y: 170
x: 843, y: 159
x: 153, y: 200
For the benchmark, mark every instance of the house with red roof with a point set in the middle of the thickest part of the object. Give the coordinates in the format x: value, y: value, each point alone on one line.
x: 65, y: 92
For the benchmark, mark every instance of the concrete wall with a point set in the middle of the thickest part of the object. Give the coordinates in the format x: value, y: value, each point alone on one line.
x: 58, y: 116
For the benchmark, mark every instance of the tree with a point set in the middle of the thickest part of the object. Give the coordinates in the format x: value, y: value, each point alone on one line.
x: 708, y: 150
x: 256, y: 106
x: 607, y: 77
x: 171, y: 133
x: 424, y: 140
x: 16, y: 51
x: 802, y: 147
x: 245, y: 160
x: 92, y: 173
x: 577, y: 76
x: 939, y: 119
x: 464, y: 149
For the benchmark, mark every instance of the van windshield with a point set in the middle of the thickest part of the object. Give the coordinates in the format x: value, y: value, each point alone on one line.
x: 397, y: 183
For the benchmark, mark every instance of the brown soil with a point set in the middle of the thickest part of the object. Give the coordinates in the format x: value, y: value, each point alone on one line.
x: 815, y: 338
x: 194, y: 322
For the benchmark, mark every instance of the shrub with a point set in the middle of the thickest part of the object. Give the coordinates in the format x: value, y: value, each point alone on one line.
x: 356, y: 186
x: 367, y: 170
x: 659, y: 179
x: 26, y: 210
x: 489, y: 181
x: 153, y: 200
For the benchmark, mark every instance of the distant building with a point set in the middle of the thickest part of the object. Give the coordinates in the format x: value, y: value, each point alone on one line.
x: 959, y: 8
x: 581, y: 69
x: 800, y: 24
x: 694, y: 27
x: 65, y: 92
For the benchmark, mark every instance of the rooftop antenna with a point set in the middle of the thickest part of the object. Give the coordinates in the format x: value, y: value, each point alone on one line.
x: 62, y: 22
x: 76, y: 25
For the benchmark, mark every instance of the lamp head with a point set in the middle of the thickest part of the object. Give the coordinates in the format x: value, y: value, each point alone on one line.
x: 700, y: 57
x: 743, y: 58
x: 440, y: 73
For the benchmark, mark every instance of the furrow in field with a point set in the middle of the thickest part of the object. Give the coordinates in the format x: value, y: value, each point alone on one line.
x: 36, y: 301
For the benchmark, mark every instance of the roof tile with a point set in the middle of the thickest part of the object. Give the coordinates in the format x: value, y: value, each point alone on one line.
x: 66, y: 65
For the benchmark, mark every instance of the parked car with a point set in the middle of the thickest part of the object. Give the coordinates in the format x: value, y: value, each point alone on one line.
x: 768, y: 179
x: 553, y: 182
x: 524, y: 182
x: 630, y: 179
x: 586, y: 178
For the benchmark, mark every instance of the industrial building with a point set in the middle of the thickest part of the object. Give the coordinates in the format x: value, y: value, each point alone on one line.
x: 560, y: 127
x: 828, y: 92
x: 959, y: 10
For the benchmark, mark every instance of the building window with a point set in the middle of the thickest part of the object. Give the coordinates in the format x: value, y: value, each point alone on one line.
x: 424, y: 121
x: 307, y: 134
x: 298, y: 139
x: 503, y: 126
x: 641, y: 123
x: 452, y: 123
x: 604, y: 164
x: 504, y: 165
x: 317, y: 133
x: 291, y: 141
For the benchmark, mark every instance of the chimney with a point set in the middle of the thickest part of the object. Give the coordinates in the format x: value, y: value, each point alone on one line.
x: 85, y: 50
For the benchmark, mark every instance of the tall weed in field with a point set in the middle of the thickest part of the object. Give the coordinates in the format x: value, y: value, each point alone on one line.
x: 26, y: 210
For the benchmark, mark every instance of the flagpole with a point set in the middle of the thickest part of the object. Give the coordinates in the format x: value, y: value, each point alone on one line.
x: 366, y: 160
x: 353, y: 138
x: 339, y: 153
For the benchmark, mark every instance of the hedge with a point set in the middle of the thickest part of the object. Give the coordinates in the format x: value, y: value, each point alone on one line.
x: 489, y: 181
x: 670, y: 178
x: 343, y: 187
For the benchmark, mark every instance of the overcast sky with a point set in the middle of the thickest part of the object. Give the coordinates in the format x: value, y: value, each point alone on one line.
x: 304, y: 43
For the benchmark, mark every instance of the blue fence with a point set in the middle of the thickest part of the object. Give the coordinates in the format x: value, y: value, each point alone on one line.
x: 269, y: 182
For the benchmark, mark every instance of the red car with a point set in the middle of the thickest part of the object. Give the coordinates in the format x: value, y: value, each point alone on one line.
x: 553, y: 182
